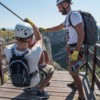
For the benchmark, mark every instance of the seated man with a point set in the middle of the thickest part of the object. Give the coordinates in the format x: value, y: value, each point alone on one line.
x: 44, y: 60
x: 23, y: 35
x: 44, y: 63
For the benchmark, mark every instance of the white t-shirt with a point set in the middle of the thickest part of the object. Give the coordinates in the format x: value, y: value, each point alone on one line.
x: 75, y: 18
x: 32, y: 57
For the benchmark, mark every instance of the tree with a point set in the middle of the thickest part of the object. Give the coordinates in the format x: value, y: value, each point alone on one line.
x: 3, y: 29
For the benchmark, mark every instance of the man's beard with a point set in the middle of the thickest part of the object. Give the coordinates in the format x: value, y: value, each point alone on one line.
x: 64, y: 12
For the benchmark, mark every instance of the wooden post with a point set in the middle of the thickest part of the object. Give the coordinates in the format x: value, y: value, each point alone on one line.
x: 94, y: 67
x: 1, y: 68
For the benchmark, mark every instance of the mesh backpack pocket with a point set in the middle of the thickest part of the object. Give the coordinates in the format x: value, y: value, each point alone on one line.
x: 19, y: 70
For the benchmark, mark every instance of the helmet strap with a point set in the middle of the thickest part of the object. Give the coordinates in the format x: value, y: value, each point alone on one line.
x: 64, y: 9
x: 22, y: 40
x: 67, y: 6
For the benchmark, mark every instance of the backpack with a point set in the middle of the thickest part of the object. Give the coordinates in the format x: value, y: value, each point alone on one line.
x: 19, y: 70
x: 90, y: 27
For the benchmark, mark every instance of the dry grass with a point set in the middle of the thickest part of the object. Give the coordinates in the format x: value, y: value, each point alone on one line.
x: 6, y: 33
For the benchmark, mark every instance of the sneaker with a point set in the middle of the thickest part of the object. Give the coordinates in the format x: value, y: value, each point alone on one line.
x: 30, y: 90
x: 42, y: 95
x: 80, y: 99
x: 27, y: 90
x: 72, y: 85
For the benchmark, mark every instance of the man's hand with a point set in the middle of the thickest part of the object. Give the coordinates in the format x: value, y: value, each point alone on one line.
x: 42, y: 29
x: 29, y: 21
x: 74, y: 56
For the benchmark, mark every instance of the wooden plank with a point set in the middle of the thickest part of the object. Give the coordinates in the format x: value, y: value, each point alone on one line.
x: 11, y: 90
x: 5, y: 98
x: 97, y: 81
x: 58, y: 89
x: 98, y: 61
x: 17, y: 96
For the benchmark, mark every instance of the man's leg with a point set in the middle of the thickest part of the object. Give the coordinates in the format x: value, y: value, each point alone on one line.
x: 77, y: 80
x: 72, y: 85
x: 49, y: 72
x: 45, y: 82
x: 79, y: 86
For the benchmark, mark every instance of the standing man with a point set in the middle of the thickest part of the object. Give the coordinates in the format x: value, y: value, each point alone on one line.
x: 75, y: 41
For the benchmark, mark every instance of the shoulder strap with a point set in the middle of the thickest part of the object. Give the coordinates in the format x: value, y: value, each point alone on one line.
x: 13, y: 52
x: 69, y: 19
x: 25, y: 53
x: 70, y: 23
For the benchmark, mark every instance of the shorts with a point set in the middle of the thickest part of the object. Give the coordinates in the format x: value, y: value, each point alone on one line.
x: 45, y: 72
x: 70, y: 50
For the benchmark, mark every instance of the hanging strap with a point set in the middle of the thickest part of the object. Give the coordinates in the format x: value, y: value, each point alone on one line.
x: 33, y: 74
x: 13, y: 52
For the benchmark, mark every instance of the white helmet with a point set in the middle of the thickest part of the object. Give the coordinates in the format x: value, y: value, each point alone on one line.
x: 23, y: 30
x: 59, y: 1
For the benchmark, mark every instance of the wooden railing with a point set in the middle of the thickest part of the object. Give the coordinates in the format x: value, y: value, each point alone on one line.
x: 3, y: 69
x: 89, y: 67
x: 93, y: 61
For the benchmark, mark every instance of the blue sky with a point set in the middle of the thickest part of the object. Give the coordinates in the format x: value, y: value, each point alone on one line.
x: 44, y: 13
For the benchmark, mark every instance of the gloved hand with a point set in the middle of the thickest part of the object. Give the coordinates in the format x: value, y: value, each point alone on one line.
x: 74, y: 56
x: 29, y: 21
x: 42, y: 29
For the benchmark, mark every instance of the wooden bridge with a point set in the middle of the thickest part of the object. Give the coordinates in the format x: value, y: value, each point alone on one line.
x: 58, y: 89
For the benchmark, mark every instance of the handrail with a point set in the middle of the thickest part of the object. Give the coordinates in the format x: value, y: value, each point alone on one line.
x: 3, y: 70
x: 95, y: 63
x: 7, y: 43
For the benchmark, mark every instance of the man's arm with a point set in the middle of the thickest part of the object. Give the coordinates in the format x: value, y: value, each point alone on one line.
x: 36, y: 31
x: 55, y: 29
x: 80, y: 31
x: 44, y: 58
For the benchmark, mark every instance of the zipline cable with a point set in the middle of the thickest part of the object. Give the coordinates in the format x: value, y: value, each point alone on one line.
x: 11, y: 11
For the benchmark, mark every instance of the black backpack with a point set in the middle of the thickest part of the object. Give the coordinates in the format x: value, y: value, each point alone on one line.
x: 19, y: 70
x: 90, y: 27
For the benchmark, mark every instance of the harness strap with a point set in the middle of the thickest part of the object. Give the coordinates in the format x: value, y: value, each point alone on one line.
x: 43, y: 72
x: 72, y: 45
x: 33, y: 74
x: 70, y: 22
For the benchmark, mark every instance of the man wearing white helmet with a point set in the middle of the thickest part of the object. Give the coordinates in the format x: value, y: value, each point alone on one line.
x: 24, y: 35
x: 75, y: 40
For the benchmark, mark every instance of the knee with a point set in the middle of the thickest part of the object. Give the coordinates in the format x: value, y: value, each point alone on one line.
x: 51, y: 68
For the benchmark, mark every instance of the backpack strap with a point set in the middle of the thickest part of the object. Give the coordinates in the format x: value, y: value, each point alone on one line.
x: 70, y: 23
x: 69, y: 19
x: 25, y: 53
x: 13, y: 52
